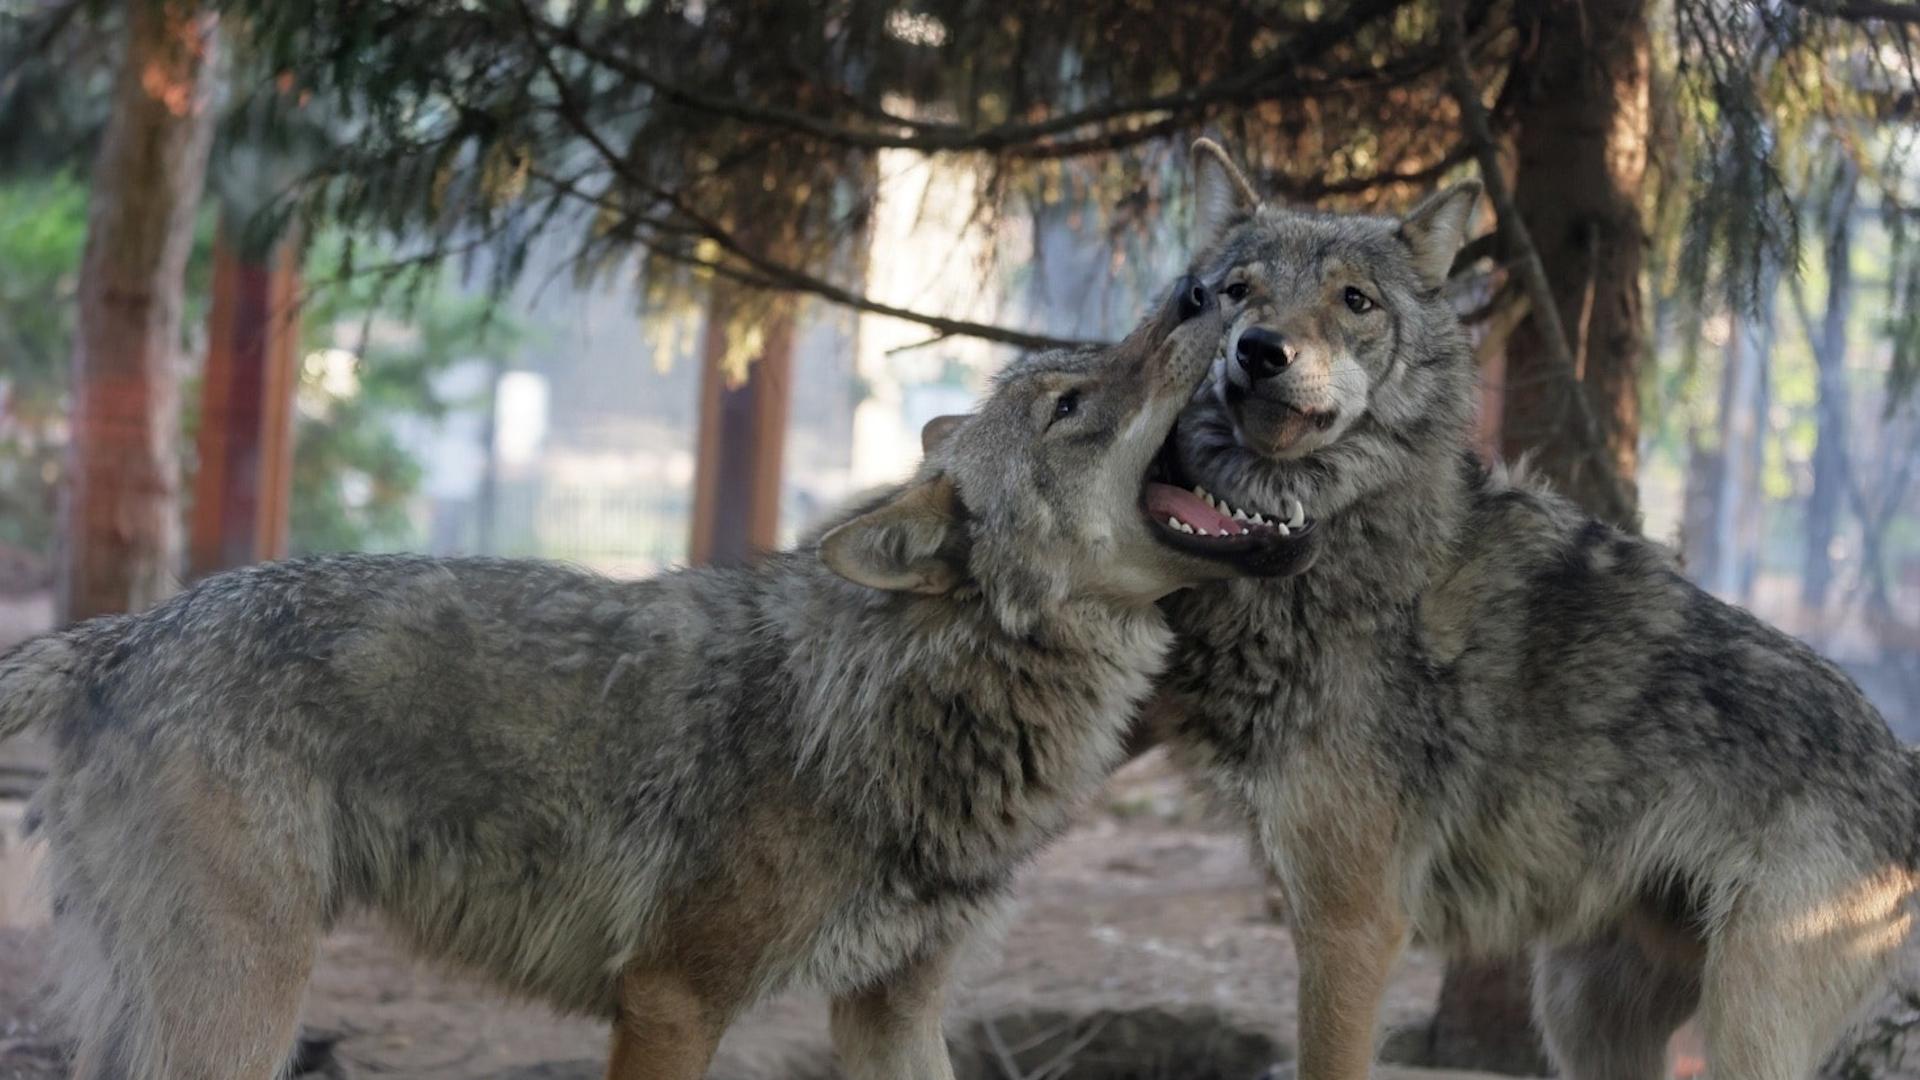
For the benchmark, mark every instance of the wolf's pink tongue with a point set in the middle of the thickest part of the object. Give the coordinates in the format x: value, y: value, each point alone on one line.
x: 1165, y: 500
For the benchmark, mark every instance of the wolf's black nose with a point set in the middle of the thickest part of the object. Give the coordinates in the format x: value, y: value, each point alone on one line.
x: 1194, y: 297
x: 1262, y: 352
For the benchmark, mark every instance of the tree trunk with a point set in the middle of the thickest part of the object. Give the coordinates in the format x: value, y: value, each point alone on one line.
x: 1583, y: 119
x: 1722, y: 571
x: 122, y: 514
x: 1704, y: 462
x: 743, y: 434
x: 1830, y: 357
x: 1737, y: 486
x: 243, y: 483
x: 1753, y: 455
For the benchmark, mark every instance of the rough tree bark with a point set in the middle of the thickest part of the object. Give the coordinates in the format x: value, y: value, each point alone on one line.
x: 1581, y: 127
x: 1582, y: 119
x: 121, y: 508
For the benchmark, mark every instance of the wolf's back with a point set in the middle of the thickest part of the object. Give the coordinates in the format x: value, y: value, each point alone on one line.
x: 37, y: 681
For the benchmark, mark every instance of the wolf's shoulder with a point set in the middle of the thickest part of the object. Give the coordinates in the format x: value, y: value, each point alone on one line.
x: 1513, y: 506
x: 1526, y: 552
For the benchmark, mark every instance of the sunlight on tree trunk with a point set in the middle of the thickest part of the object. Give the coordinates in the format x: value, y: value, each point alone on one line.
x: 122, y: 506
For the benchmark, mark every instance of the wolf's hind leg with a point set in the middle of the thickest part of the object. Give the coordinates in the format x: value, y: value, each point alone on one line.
x: 1608, y: 1007
x: 892, y: 1031
x: 185, y: 932
x: 1792, y: 965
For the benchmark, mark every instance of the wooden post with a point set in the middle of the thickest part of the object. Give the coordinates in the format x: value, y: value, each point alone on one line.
x: 242, y: 493
x: 743, y: 431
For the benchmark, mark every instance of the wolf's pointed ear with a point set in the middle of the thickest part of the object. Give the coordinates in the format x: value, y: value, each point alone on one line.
x: 903, y: 545
x: 1221, y: 192
x: 1437, y: 228
x: 937, y: 429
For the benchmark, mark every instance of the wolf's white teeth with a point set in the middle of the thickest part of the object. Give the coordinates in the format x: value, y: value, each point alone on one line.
x: 1258, y: 520
x: 1186, y: 528
x: 1296, y: 514
x: 1172, y: 522
x: 1281, y: 528
x: 1240, y: 515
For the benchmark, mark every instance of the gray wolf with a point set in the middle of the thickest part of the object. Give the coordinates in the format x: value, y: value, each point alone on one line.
x: 655, y: 800
x: 1489, y: 719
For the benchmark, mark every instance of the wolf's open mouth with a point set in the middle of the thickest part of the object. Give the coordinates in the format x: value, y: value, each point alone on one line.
x: 1188, y: 517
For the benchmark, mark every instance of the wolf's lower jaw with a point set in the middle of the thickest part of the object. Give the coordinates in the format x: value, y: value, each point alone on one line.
x: 1197, y: 512
x: 1174, y: 503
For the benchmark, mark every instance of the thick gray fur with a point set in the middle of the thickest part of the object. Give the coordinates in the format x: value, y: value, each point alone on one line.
x: 653, y: 800
x: 1487, y: 718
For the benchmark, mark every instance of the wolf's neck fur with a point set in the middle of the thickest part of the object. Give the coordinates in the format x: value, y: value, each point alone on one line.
x: 929, y: 710
x: 1304, y: 654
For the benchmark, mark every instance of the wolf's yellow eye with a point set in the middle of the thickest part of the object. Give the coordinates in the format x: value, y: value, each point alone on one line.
x: 1236, y: 291
x: 1358, y: 302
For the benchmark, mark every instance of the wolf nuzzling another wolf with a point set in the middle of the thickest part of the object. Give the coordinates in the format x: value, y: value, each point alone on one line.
x: 1488, y: 717
x: 653, y: 800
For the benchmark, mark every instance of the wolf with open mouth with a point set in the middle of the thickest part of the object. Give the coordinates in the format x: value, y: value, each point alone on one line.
x: 1487, y: 717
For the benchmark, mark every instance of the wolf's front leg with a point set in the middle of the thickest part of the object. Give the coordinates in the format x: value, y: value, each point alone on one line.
x: 1348, y: 930
x: 667, y: 1027
x: 891, y: 1031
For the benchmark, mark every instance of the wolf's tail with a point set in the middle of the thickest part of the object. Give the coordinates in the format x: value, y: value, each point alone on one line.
x: 36, y: 682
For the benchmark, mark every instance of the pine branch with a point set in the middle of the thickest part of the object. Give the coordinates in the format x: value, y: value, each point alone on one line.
x: 1526, y: 257
x: 758, y: 270
x: 1862, y: 10
x: 1261, y: 80
x: 1313, y: 189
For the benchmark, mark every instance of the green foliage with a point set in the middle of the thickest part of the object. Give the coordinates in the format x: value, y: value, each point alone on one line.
x: 353, y: 479
x: 42, y: 230
x: 43, y: 227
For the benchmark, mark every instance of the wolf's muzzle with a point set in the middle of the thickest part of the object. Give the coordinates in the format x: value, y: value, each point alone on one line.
x: 1194, y: 297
